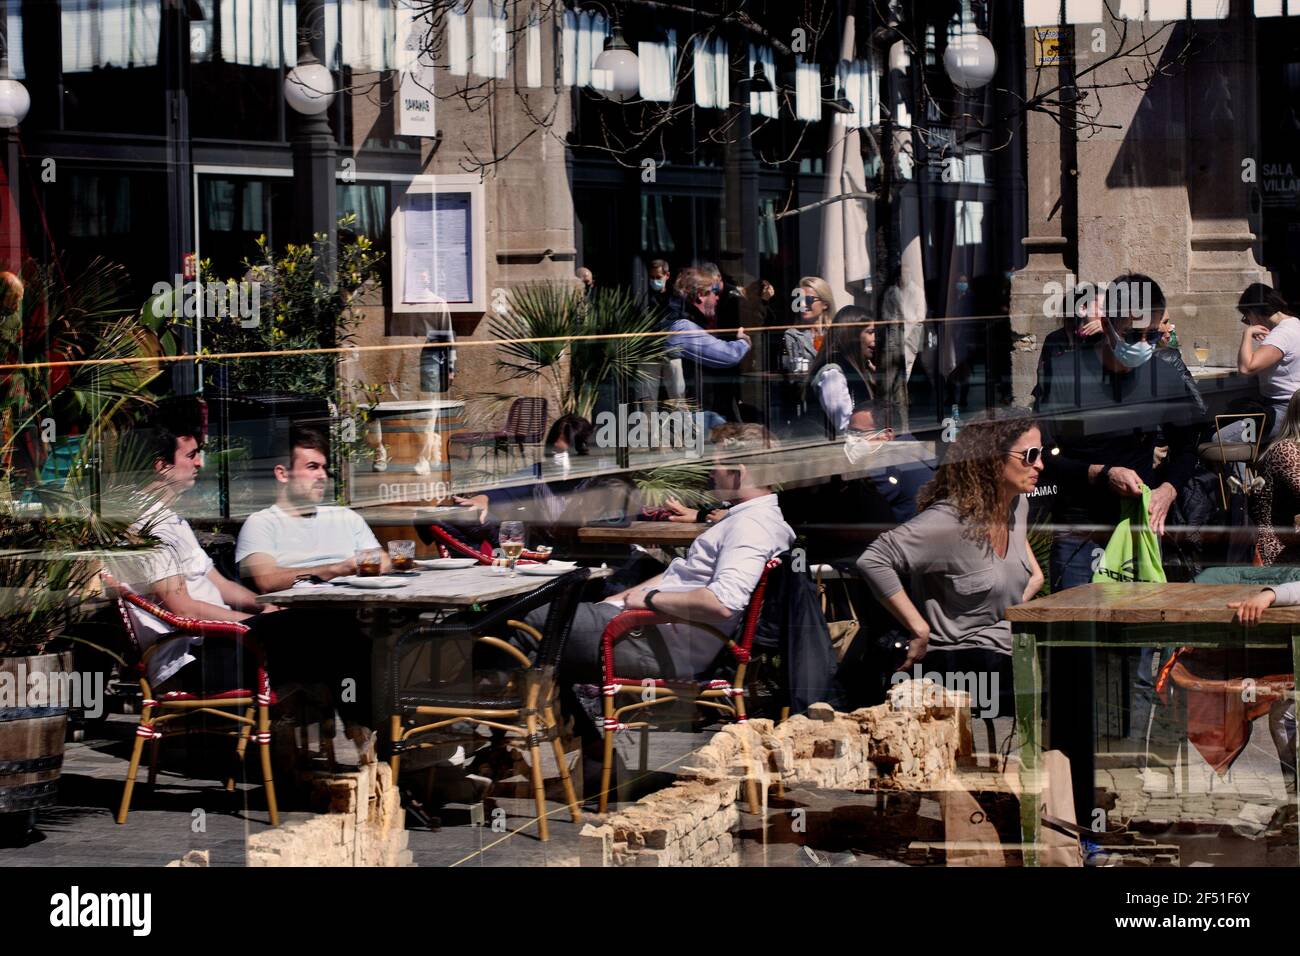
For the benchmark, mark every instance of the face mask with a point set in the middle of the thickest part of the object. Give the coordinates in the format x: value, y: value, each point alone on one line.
x: 658, y: 284
x: 858, y: 448
x: 561, y: 460
x: 1133, y: 354
x: 962, y: 288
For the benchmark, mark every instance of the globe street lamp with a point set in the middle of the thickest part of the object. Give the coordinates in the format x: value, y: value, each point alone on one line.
x: 970, y: 61
x: 14, y: 103
x: 309, y: 87
x: 617, y: 72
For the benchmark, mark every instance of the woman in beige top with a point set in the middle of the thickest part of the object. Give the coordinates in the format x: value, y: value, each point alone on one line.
x: 964, y: 558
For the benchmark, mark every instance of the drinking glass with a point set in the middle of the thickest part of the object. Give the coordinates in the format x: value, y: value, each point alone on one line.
x: 1202, y: 347
x: 370, y: 562
x: 402, y: 553
x: 512, y: 541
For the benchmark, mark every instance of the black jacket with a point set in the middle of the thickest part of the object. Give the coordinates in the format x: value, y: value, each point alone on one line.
x: 1099, y: 417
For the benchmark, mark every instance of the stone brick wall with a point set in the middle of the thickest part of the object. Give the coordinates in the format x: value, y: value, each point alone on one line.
x: 360, y: 823
x: 911, y: 742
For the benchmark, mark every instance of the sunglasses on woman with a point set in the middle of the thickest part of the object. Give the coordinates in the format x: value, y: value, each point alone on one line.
x: 1029, y: 456
x: 809, y: 300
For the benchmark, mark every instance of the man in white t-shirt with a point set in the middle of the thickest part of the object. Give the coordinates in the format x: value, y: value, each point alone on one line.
x: 180, y: 576
x: 297, y: 537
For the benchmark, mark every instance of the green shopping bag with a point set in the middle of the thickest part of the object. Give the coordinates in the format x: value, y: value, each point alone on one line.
x: 1133, y: 552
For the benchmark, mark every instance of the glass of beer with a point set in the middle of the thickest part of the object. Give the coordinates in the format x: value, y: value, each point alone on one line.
x: 512, y: 541
x: 370, y: 563
x: 402, y: 554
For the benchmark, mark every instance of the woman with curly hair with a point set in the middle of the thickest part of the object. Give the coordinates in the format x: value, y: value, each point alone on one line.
x: 964, y: 558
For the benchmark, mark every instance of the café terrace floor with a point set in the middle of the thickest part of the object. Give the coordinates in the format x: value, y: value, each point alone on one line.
x: 189, y: 810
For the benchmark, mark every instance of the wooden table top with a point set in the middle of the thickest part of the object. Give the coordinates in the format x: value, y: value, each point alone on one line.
x: 427, y: 589
x: 672, y: 534
x: 1137, y: 603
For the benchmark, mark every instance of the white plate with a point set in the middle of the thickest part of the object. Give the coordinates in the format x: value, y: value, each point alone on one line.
x: 548, y: 570
x: 377, y: 583
x: 446, y: 564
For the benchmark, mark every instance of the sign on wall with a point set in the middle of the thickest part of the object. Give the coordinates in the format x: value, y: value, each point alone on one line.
x: 415, y: 113
x: 1047, y: 46
x: 415, y: 101
x: 439, y: 245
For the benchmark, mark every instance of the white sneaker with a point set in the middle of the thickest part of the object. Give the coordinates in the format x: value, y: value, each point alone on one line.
x: 422, y: 467
x: 381, y: 459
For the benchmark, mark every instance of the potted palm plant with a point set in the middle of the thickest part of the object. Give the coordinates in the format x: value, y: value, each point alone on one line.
x: 579, y: 345
x: 74, y: 360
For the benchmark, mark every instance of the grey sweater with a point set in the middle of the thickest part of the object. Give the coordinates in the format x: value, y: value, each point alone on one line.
x: 961, y: 587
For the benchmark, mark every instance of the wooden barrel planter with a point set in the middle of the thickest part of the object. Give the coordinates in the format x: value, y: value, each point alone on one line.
x: 31, y: 738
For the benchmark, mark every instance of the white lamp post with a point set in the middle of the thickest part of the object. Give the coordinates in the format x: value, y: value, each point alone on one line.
x: 14, y: 103
x: 309, y: 87
x: 970, y: 61
x: 616, y: 74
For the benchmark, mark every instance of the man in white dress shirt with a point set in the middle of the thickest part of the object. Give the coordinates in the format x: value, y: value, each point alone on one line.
x: 712, y: 585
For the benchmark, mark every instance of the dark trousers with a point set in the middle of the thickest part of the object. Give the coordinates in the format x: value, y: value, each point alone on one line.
x: 636, y: 655
x: 304, y: 648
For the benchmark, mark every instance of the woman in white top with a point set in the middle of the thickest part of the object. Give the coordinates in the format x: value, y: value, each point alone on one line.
x: 844, y: 372
x: 1270, y: 347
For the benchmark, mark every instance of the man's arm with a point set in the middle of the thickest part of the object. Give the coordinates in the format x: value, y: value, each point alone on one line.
x: 708, y: 350
x: 268, y: 576
x: 697, y: 604
x: 234, y: 593
x: 175, y: 597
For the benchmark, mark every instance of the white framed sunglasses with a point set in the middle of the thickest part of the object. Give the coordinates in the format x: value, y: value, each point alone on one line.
x: 1029, y: 456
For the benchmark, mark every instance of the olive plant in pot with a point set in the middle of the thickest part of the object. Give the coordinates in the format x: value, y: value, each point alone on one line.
x: 73, y: 363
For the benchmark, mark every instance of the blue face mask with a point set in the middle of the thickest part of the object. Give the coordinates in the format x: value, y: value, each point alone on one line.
x: 1133, y: 354
x: 658, y: 284
x: 963, y: 288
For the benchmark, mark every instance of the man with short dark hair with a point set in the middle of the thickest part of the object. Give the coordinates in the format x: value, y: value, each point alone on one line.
x: 1135, y: 397
x: 181, y: 576
x: 660, y: 283
x: 1108, y: 404
x: 297, y: 537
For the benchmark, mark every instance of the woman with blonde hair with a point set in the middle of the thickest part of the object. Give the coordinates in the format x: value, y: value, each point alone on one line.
x: 816, y: 306
x: 950, y: 573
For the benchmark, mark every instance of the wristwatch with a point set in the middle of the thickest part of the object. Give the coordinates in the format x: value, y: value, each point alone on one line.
x: 649, y: 599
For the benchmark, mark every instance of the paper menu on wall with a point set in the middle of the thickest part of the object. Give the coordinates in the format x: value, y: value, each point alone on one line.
x: 439, y: 249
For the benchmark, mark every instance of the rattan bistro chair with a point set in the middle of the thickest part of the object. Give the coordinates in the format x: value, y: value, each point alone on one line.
x: 525, y: 706
x: 161, y: 716
x: 723, y: 695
